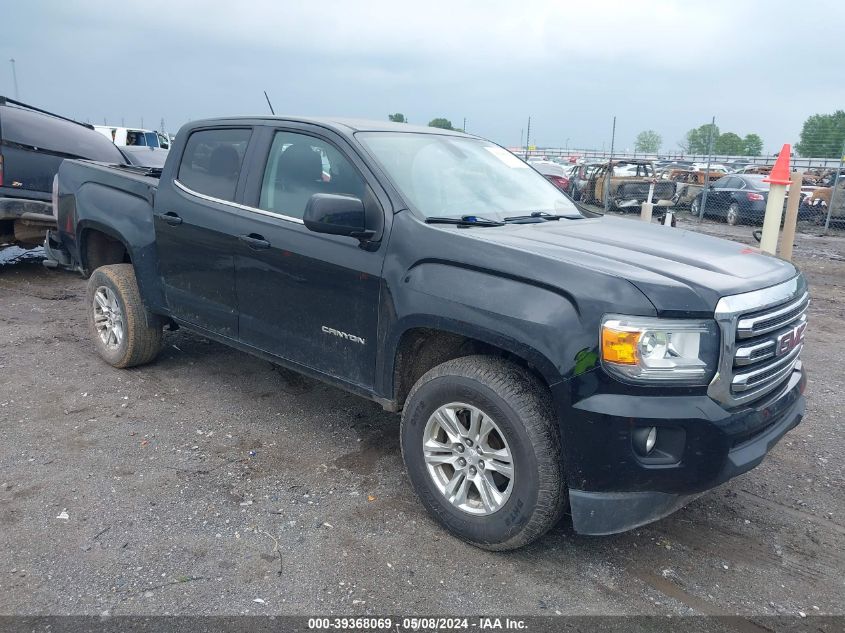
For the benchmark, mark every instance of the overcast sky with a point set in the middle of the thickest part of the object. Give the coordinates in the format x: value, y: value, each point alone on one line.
x: 665, y: 65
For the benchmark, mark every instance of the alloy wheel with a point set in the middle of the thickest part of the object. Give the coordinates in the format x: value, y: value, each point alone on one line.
x: 468, y: 458
x: 108, y: 317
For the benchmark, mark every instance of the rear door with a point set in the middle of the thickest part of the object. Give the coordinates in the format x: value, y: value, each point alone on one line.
x: 196, y: 227
x: 307, y: 297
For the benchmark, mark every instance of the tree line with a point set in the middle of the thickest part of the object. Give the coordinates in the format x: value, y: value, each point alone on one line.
x: 822, y: 136
x: 697, y: 141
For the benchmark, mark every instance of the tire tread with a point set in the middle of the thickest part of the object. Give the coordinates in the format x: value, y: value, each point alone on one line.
x: 531, y: 401
x: 143, y: 340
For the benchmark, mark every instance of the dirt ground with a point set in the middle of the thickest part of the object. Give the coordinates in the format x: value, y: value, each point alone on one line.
x: 211, y: 482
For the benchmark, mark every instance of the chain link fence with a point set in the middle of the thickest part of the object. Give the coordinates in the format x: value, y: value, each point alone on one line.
x: 707, y: 186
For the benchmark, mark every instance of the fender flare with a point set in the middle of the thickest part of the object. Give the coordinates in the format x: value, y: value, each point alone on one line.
x: 387, y: 372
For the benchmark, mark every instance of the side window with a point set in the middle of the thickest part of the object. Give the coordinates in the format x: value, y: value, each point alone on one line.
x: 722, y: 183
x: 211, y: 163
x: 299, y: 166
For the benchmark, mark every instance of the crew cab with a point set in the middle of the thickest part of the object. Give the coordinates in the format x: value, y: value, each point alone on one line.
x: 542, y: 360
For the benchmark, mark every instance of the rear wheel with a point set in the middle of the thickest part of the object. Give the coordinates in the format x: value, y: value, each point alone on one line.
x: 732, y: 216
x: 117, y: 320
x: 482, y: 449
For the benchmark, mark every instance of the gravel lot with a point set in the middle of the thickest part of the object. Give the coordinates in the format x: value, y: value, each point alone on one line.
x: 211, y: 482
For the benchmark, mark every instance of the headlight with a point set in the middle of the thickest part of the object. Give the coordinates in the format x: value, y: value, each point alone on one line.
x: 665, y: 351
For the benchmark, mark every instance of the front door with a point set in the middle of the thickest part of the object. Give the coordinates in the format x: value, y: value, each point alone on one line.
x: 196, y: 230
x: 307, y: 297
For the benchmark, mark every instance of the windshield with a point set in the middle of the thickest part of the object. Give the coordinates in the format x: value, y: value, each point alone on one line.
x: 443, y: 176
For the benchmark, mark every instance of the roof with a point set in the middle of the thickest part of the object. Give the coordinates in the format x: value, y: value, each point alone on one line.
x: 6, y: 101
x: 340, y: 124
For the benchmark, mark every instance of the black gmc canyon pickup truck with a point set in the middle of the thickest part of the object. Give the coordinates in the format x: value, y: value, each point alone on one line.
x: 542, y: 359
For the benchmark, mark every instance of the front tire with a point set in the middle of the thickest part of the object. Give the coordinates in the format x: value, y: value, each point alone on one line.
x: 510, y: 492
x: 117, y: 320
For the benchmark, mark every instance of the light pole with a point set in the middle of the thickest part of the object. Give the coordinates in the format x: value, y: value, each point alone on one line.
x: 14, y: 77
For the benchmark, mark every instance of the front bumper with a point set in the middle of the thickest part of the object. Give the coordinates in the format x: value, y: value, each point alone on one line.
x: 613, y: 490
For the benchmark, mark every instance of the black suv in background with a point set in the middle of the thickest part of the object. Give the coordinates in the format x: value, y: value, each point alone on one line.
x: 33, y: 143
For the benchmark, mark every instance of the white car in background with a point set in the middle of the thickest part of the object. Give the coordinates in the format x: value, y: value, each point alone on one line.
x: 128, y: 137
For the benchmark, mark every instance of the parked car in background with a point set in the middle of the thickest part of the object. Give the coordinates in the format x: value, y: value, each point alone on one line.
x: 718, y: 167
x: 144, y: 156
x: 742, y: 198
x: 628, y: 183
x: 688, y: 184
x: 555, y: 173
x: 737, y: 165
x: 736, y: 197
x: 815, y: 205
x: 133, y: 136
x: 33, y: 142
x: 579, y: 179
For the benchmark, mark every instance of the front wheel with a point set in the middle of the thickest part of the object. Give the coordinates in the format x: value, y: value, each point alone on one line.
x: 123, y: 333
x: 482, y: 449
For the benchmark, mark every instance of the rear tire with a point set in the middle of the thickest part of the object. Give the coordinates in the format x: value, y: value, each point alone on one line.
x: 117, y: 320
x: 732, y: 216
x: 695, y: 207
x: 449, y: 476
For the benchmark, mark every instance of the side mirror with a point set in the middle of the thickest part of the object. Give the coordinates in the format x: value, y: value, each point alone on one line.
x: 336, y: 215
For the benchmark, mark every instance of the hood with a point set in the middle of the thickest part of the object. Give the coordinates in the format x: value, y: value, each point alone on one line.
x: 680, y: 271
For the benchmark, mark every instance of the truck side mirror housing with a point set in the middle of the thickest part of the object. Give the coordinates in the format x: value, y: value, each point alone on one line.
x: 336, y: 215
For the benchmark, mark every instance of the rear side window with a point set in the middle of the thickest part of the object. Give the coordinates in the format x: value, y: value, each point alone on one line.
x: 48, y: 133
x: 212, y: 161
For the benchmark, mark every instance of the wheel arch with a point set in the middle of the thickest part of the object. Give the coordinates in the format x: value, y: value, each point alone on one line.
x: 423, y: 343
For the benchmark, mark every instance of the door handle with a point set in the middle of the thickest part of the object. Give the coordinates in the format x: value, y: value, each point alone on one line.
x: 254, y: 241
x: 171, y: 218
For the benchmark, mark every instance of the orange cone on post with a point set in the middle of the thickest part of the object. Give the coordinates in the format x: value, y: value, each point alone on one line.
x: 778, y: 180
x: 780, y: 172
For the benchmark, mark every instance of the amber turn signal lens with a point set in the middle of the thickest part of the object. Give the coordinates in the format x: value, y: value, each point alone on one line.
x: 619, y: 347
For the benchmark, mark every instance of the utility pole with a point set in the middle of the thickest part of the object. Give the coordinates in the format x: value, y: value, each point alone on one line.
x: 464, y: 128
x: 162, y: 126
x: 707, y: 169
x: 14, y: 77
x: 527, y: 139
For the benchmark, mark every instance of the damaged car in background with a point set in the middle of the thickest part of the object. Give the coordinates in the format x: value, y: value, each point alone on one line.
x: 628, y: 183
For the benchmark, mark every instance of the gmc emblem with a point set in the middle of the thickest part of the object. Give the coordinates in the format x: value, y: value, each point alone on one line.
x: 788, y: 341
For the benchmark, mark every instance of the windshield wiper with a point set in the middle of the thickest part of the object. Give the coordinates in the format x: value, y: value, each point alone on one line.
x: 540, y: 215
x: 464, y: 220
